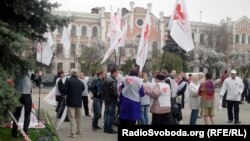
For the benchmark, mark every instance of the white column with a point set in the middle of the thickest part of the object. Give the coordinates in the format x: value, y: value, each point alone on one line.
x: 103, y: 23
x: 162, y: 30
x: 131, y: 20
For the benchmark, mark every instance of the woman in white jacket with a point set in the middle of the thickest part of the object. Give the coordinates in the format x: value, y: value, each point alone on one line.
x: 194, y: 100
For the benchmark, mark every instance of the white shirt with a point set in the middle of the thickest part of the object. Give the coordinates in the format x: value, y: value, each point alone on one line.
x: 85, y: 81
x: 233, y: 87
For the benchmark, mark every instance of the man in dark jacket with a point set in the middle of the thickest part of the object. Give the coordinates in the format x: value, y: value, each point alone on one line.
x: 97, y: 99
x: 74, y: 88
x: 110, y: 100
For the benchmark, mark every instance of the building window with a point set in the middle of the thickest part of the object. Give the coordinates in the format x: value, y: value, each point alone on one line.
x: 84, y: 31
x: 59, y: 66
x: 60, y: 30
x: 155, y: 49
x: 73, y: 50
x: 202, y: 39
x: 237, y: 38
x: 248, y: 39
x: 73, y: 31
x: 94, y: 32
x: 139, y: 22
x: 72, y: 65
x: 217, y: 39
x: 59, y: 50
x: 243, y: 38
x: 193, y: 36
x: 200, y: 69
x: 138, y: 37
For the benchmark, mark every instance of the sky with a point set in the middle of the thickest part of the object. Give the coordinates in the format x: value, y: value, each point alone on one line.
x: 210, y: 11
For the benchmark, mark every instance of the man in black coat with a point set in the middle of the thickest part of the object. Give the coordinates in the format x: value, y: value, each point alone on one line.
x: 74, y: 88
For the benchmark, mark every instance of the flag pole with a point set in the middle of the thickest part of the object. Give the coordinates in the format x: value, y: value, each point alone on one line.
x: 119, y: 61
x: 162, y: 59
x: 40, y: 83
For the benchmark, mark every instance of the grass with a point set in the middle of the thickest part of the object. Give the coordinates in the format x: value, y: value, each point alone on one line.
x: 35, y: 134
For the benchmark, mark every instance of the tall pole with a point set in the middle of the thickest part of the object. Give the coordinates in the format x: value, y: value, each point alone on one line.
x: 120, y: 52
x: 40, y: 82
x: 162, y: 59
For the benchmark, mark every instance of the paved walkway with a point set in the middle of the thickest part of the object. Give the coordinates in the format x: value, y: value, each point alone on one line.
x: 89, y: 135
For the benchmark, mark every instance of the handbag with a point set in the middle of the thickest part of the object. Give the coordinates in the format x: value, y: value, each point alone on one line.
x: 175, y: 108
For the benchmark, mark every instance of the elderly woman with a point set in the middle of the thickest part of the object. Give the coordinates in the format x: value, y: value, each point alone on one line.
x: 194, y: 99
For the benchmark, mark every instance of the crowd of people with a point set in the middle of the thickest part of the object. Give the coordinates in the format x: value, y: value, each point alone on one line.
x: 129, y: 99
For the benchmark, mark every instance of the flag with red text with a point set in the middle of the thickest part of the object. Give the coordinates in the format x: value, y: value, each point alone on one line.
x: 179, y: 26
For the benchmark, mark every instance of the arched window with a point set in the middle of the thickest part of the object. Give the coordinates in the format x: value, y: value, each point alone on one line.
x: 94, y: 32
x: 59, y: 66
x: 217, y: 39
x: 237, y: 39
x: 84, y: 31
x: 202, y: 39
x: 73, y: 50
x: 243, y: 38
x: 248, y: 39
x: 59, y: 50
x: 73, y: 30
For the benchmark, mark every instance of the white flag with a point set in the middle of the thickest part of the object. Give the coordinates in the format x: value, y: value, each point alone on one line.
x: 65, y: 40
x: 123, y: 35
x: 115, y: 28
x: 142, y: 52
x: 44, y: 53
x: 179, y: 26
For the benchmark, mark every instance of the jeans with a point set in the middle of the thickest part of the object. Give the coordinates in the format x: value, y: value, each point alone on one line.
x: 97, y: 112
x: 144, y: 114
x: 193, y: 117
x: 109, y: 116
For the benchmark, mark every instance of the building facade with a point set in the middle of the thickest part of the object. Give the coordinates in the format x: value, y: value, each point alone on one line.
x: 92, y: 28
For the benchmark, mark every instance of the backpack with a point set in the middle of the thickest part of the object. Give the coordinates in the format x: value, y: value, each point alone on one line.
x: 91, y: 84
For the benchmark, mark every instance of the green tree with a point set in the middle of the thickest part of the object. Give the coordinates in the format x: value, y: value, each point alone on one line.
x: 126, y: 67
x: 22, y: 23
x: 90, y: 59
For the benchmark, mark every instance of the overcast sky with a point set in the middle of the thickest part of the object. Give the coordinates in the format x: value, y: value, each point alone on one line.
x: 212, y: 11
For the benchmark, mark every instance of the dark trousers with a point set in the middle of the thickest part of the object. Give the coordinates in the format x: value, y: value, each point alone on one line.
x: 85, y: 102
x: 180, y: 114
x: 60, y: 106
x: 97, y: 112
x: 109, y: 116
x: 224, y: 101
x: 244, y: 95
x: 162, y: 119
x: 233, y: 107
x: 26, y: 100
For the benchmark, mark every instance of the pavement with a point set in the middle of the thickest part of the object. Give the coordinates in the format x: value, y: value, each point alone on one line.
x: 90, y: 135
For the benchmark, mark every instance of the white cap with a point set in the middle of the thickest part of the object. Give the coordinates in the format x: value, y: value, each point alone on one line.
x: 233, y: 71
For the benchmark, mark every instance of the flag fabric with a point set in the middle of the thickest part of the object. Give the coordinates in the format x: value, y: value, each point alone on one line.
x: 115, y: 27
x: 65, y: 40
x: 50, y: 98
x: 118, y: 42
x: 123, y: 35
x: 179, y: 26
x: 143, y: 44
x: 44, y: 52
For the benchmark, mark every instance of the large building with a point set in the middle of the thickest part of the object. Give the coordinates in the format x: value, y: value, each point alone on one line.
x: 92, y: 28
